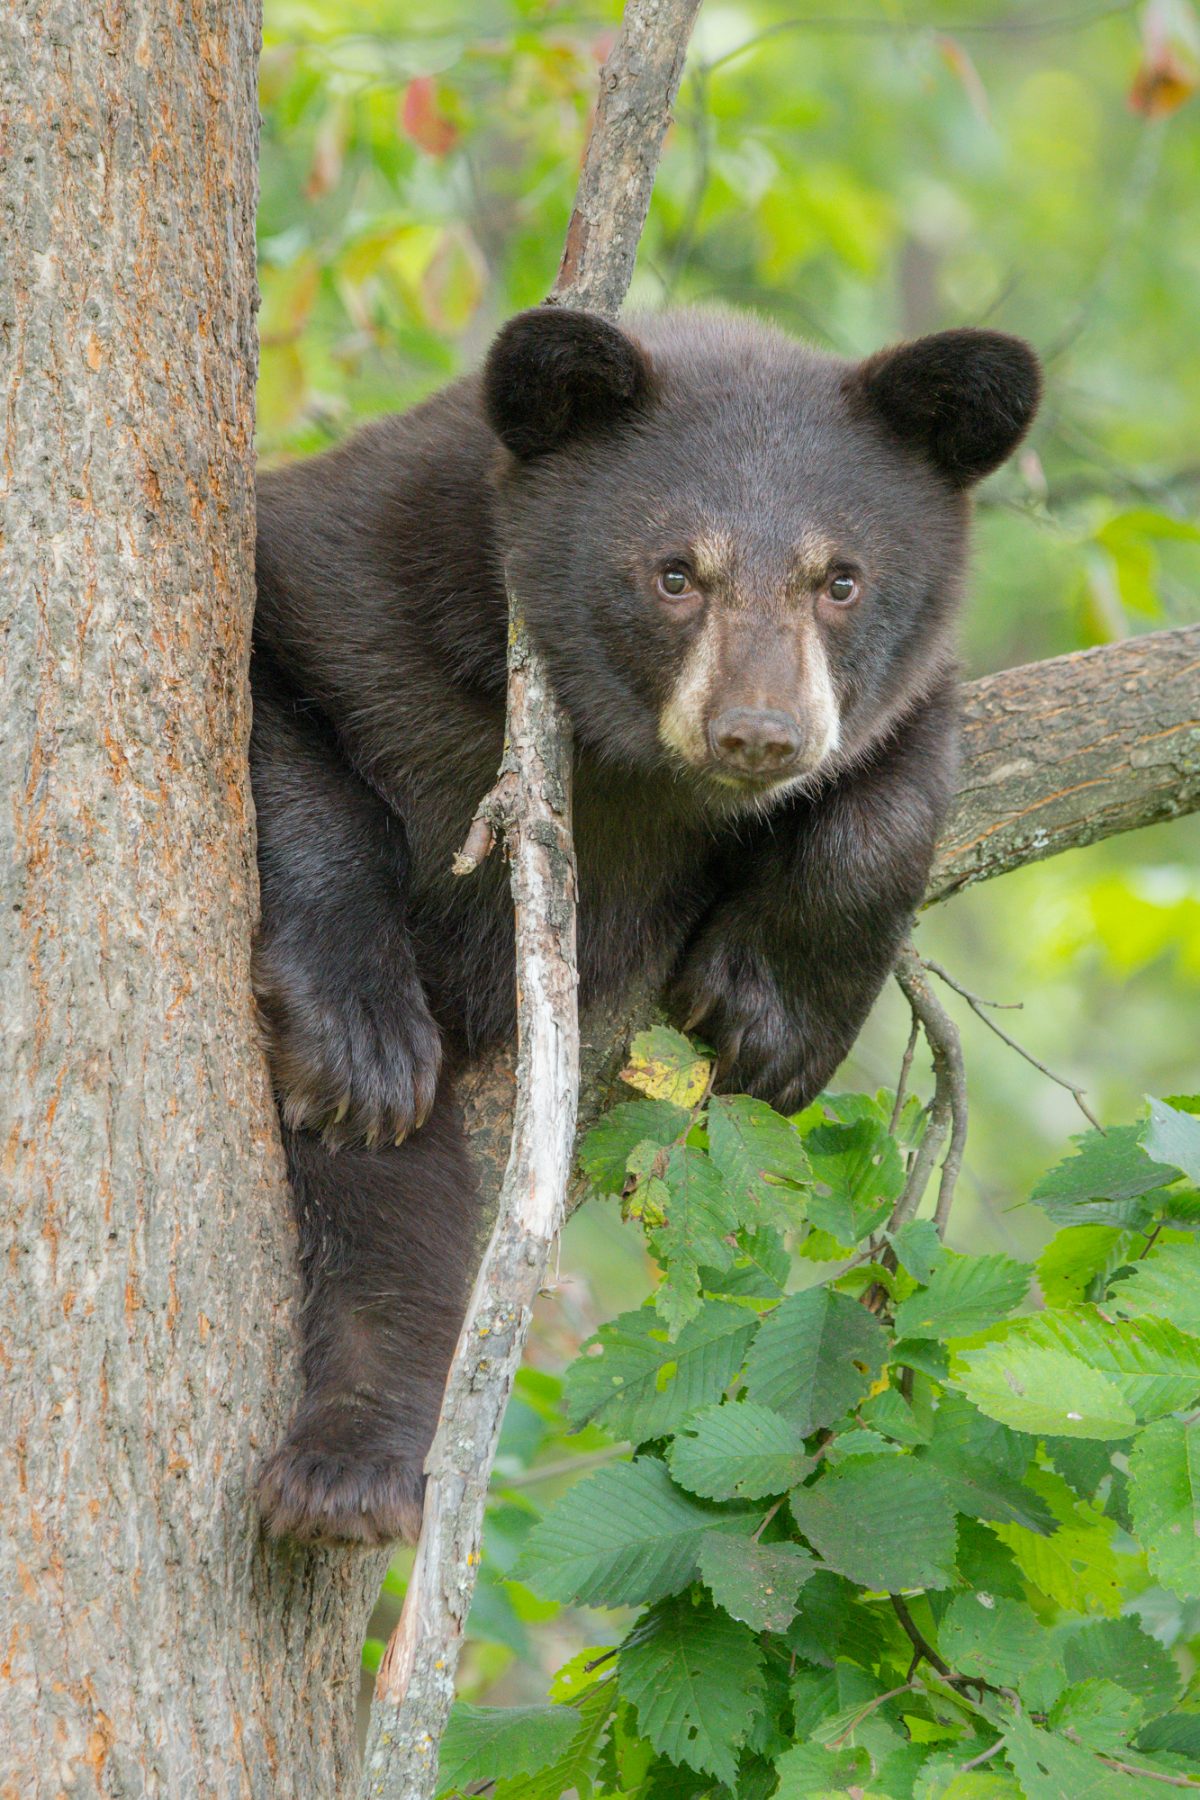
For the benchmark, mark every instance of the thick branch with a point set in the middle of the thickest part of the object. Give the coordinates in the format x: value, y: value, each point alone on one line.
x: 531, y: 805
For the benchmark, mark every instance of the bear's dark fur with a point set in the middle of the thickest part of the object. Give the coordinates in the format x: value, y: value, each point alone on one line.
x: 742, y: 560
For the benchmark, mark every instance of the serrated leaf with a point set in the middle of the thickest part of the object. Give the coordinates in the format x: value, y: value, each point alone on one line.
x: 1164, y: 1496
x: 663, y: 1065
x: 1173, y: 1136
x: 482, y: 1743
x: 756, y: 1583
x: 890, y: 1413
x: 738, y: 1452
x: 574, y: 1770
x: 919, y: 1248
x: 984, y: 1634
x: 610, y: 1143
x: 943, y: 1778
x: 1041, y: 1388
x: 883, y: 1522
x: 634, y: 1381
x: 814, y: 1357
x: 756, y: 1150
x: 759, y: 1270
x: 1119, y: 1650
x: 810, y: 1772
x: 966, y: 1294
x: 700, y: 1222
x: 1076, y: 1566
x: 1051, y: 1768
x: 857, y: 1176
x: 1100, y: 1714
x: 626, y: 1534
x: 1166, y: 1283
x: 1105, y: 1182
x: 694, y: 1676
x: 1077, y: 1256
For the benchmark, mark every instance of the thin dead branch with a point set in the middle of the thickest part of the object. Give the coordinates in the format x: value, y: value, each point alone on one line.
x: 530, y: 807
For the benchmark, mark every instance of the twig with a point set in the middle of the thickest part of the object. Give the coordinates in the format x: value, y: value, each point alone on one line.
x: 977, y: 1005
x: 925, y: 1651
x: 906, y: 1687
x: 905, y: 1070
x: 531, y: 805
x: 948, y: 1113
x: 567, y: 1465
x: 984, y: 1756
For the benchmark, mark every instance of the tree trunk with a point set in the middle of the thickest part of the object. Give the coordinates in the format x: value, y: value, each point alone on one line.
x: 149, y: 1644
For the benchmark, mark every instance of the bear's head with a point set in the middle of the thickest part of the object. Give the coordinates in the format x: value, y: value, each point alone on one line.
x: 741, y: 557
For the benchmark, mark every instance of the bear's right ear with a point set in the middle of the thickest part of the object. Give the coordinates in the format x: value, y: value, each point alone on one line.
x: 553, y: 372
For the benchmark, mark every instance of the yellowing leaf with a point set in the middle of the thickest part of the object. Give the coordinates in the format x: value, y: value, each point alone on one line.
x: 664, y: 1066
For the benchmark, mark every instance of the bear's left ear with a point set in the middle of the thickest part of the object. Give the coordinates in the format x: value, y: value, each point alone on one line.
x: 553, y: 372
x: 964, y: 397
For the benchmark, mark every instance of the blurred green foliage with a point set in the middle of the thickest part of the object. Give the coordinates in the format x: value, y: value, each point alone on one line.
x: 873, y: 170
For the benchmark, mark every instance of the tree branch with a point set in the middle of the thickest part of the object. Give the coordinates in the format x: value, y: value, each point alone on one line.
x: 531, y: 806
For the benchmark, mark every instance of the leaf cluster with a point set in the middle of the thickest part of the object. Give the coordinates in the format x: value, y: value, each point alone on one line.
x: 903, y: 1532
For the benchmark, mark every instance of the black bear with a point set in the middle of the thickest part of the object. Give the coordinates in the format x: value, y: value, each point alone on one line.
x: 741, y: 559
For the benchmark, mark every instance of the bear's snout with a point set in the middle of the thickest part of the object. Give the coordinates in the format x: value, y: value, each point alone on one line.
x: 753, y: 741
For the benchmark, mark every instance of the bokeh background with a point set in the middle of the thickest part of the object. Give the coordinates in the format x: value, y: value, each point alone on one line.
x: 861, y: 173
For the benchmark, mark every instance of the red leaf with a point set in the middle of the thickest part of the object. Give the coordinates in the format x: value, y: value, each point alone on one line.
x: 427, y: 126
x: 1169, y: 71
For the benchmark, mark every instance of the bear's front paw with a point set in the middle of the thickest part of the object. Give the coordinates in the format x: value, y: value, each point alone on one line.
x: 728, y: 996
x: 358, y: 1067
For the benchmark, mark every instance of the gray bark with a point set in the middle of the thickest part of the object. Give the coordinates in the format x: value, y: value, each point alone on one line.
x: 147, y: 1355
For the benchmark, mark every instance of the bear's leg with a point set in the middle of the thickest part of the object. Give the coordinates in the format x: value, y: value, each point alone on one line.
x: 388, y: 1249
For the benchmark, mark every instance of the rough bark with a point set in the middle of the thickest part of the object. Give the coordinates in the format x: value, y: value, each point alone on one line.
x: 1056, y: 755
x: 149, y: 1646
x: 531, y: 807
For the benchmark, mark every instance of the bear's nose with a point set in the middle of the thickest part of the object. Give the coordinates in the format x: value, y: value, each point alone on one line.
x: 754, y: 742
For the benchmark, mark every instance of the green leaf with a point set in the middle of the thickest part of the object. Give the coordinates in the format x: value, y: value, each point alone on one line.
x: 738, y: 1452
x: 1076, y: 1566
x: 755, y: 1149
x: 695, y: 1677
x: 574, y: 1769
x: 759, y: 1270
x: 1076, y: 1373
x: 699, y: 1226
x: 1173, y: 1137
x: 1164, y: 1495
x: 983, y: 1634
x: 883, y: 1522
x: 1119, y: 1650
x: 610, y: 1143
x: 890, y: 1413
x: 1076, y: 1256
x: 484, y: 1742
x: 1105, y: 1182
x: 1098, y: 1712
x: 756, y: 1583
x: 1051, y: 1768
x: 1166, y: 1284
x: 634, y: 1381
x: 1041, y: 1388
x: 966, y: 1294
x: 919, y: 1248
x: 857, y: 1177
x: 814, y: 1357
x: 810, y: 1772
x: 623, y: 1535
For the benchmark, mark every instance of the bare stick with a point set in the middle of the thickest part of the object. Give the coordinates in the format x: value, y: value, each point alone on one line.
x: 530, y: 806
x: 977, y: 1005
x: 948, y: 1112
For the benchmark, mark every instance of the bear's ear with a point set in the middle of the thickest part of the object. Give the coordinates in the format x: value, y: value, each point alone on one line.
x: 964, y: 397
x: 553, y: 372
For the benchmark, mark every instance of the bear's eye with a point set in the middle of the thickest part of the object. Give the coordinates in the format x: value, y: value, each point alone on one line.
x: 843, y: 590
x: 674, y: 582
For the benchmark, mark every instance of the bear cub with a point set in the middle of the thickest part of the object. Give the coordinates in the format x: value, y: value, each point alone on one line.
x: 741, y: 559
